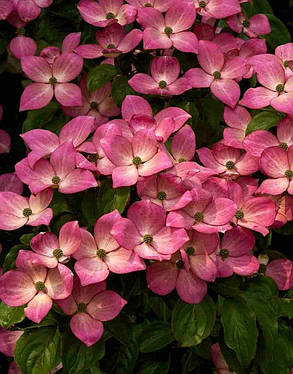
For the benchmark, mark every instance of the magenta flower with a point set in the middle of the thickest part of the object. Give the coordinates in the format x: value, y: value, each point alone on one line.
x: 89, y: 306
x: 217, y: 356
x: 192, y: 174
x: 237, y: 119
x: 10, y: 182
x: 165, y: 190
x: 99, y: 255
x: 29, y: 10
x: 5, y: 142
x: 277, y: 164
x: 161, y: 5
x: 21, y: 46
x: 277, y: 91
x: 183, y: 145
x: 51, y: 80
x: 59, y: 172
x: 103, y: 12
x: 8, y: 341
x: 285, y: 53
x: 16, y: 210
x: 145, y: 232
x: 35, y: 286
x: 6, y: 7
x: 256, y: 25
x: 164, y: 32
x: 112, y: 41
x: 281, y: 270
x: 138, y: 157
x: 217, y: 8
x: 217, y: 74
x: 164, y: 80
x: 49, y: 250
x: 98, y: 104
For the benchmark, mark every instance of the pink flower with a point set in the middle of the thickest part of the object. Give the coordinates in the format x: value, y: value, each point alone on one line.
x: 217, y: 74
x: 284, y: 206
x: 144, y: 231
x: 13, y: 368
x: 16, y: 210
x: 6, y: 7
x: 218, y: 358
x: 29, y: 10
x: 234, y: 254
x: 277, y: 90
x: 35, y: 286
x: 5, y: 142
x: 103, y: 12
x: 138, y: 157
x: 217, y: 8
x: 99, y: 255
x: 161, y: 5
x: 89, y: 306
x: 204, y: 214
x: 50, y: 80
x: 281, y: 270
x: 112, y: 41
x: 49, y: 250
x: 183, y: 144
x: 164, y: 80
x: 256, y: 25
x: 163, y: 33
x: 59, y: 172
x: 10, y: 182
x: 165, y: 190
x: 256, y: 142
x: 98, y: 104
x: 237, y: 119
x: 277, y: 164
x: 8, y: 341
x: 285, y: 53
x: 21, y: 46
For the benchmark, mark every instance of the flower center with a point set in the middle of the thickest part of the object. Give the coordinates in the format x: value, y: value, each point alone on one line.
x: 180, y: 264
x: 216, y: 74
x: 110, y: 46
x: 57, y: 253
x: 202, y: 4
x: 101, y: 253
x: 110, y: 15
x: 136, y: 161
x: 81, y: 307
x: 280, y: 87
x: 53, y: 80
x: 147, y: 238
x: 168, y: 30
x: 190, y: 251
x: 224, y: 253
x: 93, y: 157
x: 162, y: 195
x: 148, y: 5
x: 20, y: 31
x: 239, y: 214
x: 181, y: 160
x: 162, y: 84
x: 27, y: 212
x: 285, y: 63
x: 94, y: 105
x: 198, y: 216
x: 230, y: 165
x: 56, y: 180
x: 289, y: 173
x: 40, y: 286
x: 246, y: 23
x: 284, y: 146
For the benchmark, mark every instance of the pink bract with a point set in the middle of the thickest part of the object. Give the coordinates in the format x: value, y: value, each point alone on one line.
x: 5, y: 142
x: 281, y: 270
x: 10, y: 182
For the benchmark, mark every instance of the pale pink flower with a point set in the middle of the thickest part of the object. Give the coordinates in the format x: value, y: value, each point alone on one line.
x: 281, y: 270
x: 35, y: 286
x: 145, y: 232
x: 8, y: 341
x: 191, y: 173
x: 50, y: 80
x: 16, y: 210
x: 21, y: 46
x: 164, y: 79
x: 217, y: 74
x: 284, y: 206
x: 99, y: 255
x: 5, y: 141
x: 217, y: 8
x: 285, y: 53
x: 237, y: 119
x: 10, y: 182
x: 29, y: 10
x: 256, y: 25
x: 104, y: 12
x: 217, y: 356
x: 277, y: 164
x: 183, y: 145
x: 161, y: 5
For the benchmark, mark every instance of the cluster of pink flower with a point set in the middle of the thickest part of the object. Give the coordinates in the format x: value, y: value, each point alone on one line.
x: 194, y: 222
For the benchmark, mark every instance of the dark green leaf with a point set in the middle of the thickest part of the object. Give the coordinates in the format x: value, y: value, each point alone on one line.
x: 37, y: 119
x: 155, y: 336
x: 155, y: 367
x: 89, y: 206
x: 263, y: 121
x: 228, y: 286
x: 127, y: 358
x: 121, y: 329
x: 26, y: 239
x: 9, y: 262
x: 231, y: 359
x: 159, y: 307
x: 286, y: 229
x: 100, y: 75
x: 9, y: 316
x: 279, y: 34
x: 121, y: 88
x: 110, y: 198
x: 285, y: 307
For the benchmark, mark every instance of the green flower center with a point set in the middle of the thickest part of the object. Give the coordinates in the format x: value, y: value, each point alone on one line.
x: 246, y: 23
x: 230, y: 165
x: 216, y: 74
x: 40, y: 286
x: 198, y: 216
x: 289, y: 173
x: 81, y: 307
x: 168, y: 30
x: 286, y: 64
x: 202, y: 4
x: 148, y: 5
x: 101, y: 253
x: 239, y: 214
x: 190, y: 251
x: 284, y: 146
x: 27, y: 212
x: 136, y: 161
x: 53, y: 80
x: 56, y: 180
x: 162, y: 195
x: 110, y: 46
x: 162, y: 84
x: 180, y: 264
x: 93, y: 157
x: 181, y: 160
x: 57, y: 253
x: 110, y: 15
x: 280, y: 87
x: 147, y: 238
x: 94, y: 105
x: 224, y: 253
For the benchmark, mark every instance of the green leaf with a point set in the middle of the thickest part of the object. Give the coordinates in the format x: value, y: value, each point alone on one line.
x: 155, y: 336
x: 9, y: 316
x: 228, y: 286
x: 110, y: 198
x: 38, y: 351
x: 191, y: 324
x: 100, y: 75
x: 89, y: 206
x: 263, y: 121
x: 230, y: 358
x: 159, y: 307
x: 121, y: 329
x: 77, y: 357
x: 127, y: 358
x: 279, y: 34
x: 155, y: 367
x: 285, y: 307
x: 37, y: 119
x: 121, y: 88
x: 26, y: 239
x: 9, y: 262
x: 262, y: 6
x: 286, y: 229
x: 240, y: 331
